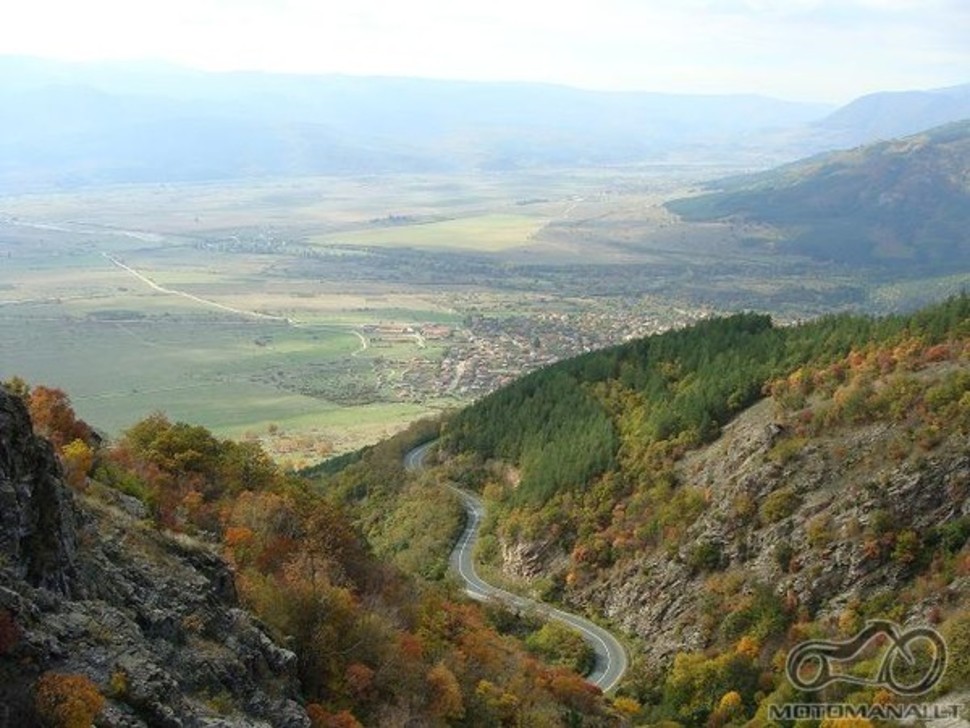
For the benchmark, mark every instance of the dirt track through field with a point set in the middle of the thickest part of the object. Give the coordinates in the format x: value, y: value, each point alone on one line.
x: 192, y: 297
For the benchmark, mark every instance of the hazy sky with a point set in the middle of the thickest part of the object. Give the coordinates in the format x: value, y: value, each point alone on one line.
x: 826, y: 50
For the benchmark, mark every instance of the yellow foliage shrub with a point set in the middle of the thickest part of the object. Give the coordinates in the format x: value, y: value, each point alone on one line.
x: 77, y: 458
x: 67, y: 701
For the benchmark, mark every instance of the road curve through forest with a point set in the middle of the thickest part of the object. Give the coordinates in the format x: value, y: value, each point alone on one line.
x: 611, y: 659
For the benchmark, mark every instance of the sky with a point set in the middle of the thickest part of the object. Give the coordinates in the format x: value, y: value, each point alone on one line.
x: 813, y: 50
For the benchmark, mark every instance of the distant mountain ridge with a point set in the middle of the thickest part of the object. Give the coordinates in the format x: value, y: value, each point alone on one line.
x: 894, y: 114
x: 67, y: 125
x: 898, y: 203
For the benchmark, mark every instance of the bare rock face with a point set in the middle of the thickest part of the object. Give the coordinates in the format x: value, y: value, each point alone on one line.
x: 38, y: 520
x: 813, y: 553
x: 531, y: 559
x: 152, y: 619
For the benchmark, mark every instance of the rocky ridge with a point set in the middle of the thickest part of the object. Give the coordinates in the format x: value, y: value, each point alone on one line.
x: 814, y: 553
x: 152, y: 619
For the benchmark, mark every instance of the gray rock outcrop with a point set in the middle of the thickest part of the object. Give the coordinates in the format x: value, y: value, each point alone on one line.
x: 88, y: 588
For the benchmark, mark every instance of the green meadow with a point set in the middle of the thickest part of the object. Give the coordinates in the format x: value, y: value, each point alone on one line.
x: 291, y: 309
x: 207, y: 337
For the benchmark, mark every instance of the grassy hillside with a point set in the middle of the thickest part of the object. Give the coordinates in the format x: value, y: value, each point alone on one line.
x: 899, y: 203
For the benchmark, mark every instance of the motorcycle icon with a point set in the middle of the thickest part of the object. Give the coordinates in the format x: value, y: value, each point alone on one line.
x: 823, y: 653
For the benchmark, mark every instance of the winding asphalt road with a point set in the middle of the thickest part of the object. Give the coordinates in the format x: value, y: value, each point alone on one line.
x: 611, y: 659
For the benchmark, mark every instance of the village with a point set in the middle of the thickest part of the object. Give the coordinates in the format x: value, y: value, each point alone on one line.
x: 487, y: 352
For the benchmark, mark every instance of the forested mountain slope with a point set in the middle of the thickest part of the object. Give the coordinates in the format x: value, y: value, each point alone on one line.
x: 747, y: 487
x: 893, y: 114
x: 898, y: 204
x: 565, y: 423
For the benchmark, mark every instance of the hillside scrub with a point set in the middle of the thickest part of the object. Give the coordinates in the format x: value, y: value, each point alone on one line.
x: 379, y: 638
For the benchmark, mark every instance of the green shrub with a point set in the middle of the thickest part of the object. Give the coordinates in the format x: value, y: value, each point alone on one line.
x: 881, y: 523
x: 759, y: 614
x: 783, y: 555
x: 705, y: 556
x: 778, y: 505
x: 819, y: 532
x: 950, y: 536
x: 696, y: 683
x: 787, y: 449
x: 560, y: 645
x: 907, y: 547
x: 956, y: 632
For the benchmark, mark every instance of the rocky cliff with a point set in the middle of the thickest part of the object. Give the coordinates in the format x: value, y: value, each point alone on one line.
x: 152, y: 620
x: 818, y: 524
x: 856, y: 521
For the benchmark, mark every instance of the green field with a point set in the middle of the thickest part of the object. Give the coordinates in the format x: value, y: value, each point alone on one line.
x: 242, y: 337
x: 207, y: 337
x: 235, y: 376
x: 293, y: 310
x: 486, y: 233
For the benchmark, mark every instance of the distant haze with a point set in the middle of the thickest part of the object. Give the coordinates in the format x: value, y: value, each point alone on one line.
x: 812, y: 50
x: 69, y: 125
